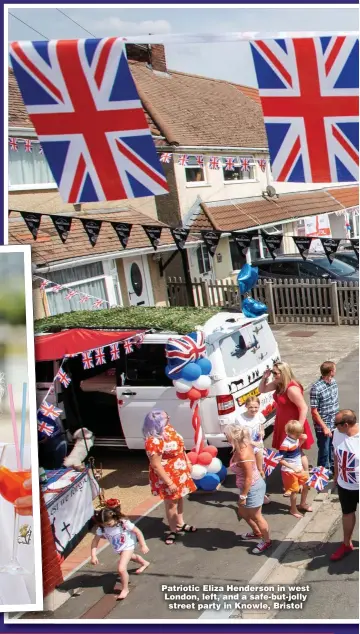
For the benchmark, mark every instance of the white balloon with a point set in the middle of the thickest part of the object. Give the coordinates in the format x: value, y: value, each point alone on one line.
x: 198, y: 471
x: 182, y: 386
x: 214, y: 466
x: 202, y: 383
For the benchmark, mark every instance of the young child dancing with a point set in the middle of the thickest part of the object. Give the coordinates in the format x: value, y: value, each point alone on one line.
x: 254, y: 420
x: 293, y: 475
x: 123, y: 536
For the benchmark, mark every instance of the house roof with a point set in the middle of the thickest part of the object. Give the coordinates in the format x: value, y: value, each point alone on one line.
x: 18, y: 116
x: 49, y: 249
x: 347, y: 196
x: 230, y: 215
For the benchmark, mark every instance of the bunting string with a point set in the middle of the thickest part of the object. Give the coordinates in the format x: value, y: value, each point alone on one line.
x: 71, y: 294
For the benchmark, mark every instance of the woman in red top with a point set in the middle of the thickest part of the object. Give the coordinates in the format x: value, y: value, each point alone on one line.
x: 290, y: 404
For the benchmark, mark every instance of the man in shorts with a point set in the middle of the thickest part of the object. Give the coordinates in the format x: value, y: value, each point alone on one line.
x: 346, y: 463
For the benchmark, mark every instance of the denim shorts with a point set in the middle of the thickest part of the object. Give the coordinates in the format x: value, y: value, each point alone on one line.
x: 255, y: 497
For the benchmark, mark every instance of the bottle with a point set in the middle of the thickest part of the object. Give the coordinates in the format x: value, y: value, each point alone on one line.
x: 42, y: 476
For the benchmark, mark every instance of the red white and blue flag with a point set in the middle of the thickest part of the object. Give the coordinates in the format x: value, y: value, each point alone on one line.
x: 309, y: 90
x: 45, y: 428
x: 319, y: 478
x: 114, y: 351
x: 200, y: 160
x: 13, y: 143
x: 28, y: 145
x: 87, y: 360
x: 214, y: 163
x: 49, y: 410
x: 183, y: 159
x: 187, y: 349
x: 99, y: 356
x: 262, y: 164
x: 83, y: 103
x: 230, y: 163
x: 347, y: 466
x: 63, y: 378
x: 128, y: 346
x: 70, y: 294
x: 165, y: 157
x: 245, y: 164
x: 271, y: 460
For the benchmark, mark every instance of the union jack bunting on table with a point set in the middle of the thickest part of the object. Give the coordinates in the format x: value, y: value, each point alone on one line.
x: 271, y: 460
x: 99, y: 356
x: 187, y: 349
x: 114, y: 351
x: 83, y: 103
x: 214, y: 163
x: 128, y: 346
x: 13, y: 144
x: 165, y: 157
x: 45, y: 428
x: 200, y: 160
x: 347, y: 465
x: 28, y: 145
x: 230, y: 163
x: 70, y: 294
x: 309, y: 91
x: 50, y: 410
x: 63, y: 378
x: 262, y: 164
x: 183, y: 159
x: 87, y: 360
x: 319, y: 478
x: 244, y: 164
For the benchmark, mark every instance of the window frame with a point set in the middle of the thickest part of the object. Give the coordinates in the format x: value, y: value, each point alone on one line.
x: 25, y: 133
x: 239, y: 181
x: 203, y: 183
x: 202, y: 248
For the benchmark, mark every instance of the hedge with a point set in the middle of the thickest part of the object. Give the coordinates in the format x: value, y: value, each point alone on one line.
x: 181, y: 320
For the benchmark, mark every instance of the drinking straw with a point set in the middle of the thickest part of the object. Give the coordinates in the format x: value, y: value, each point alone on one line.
x: 23, y: 423
x: 15, y: 432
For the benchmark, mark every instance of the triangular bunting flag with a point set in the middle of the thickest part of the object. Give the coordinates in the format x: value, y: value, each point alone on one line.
x: 62, y: 225
x: 92, y: 228
x: 242, y: 241
x: 211, y: 239
x: 330, y: 246
x: 355, y: 246
x: 272, y: 242
x: 123, y: 232
x: 303, y: 244
x: 153, y: 232
x: 180, y: 236
x: 32, y: 222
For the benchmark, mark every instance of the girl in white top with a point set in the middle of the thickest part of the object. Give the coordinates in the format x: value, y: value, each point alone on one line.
x: 123, y: 536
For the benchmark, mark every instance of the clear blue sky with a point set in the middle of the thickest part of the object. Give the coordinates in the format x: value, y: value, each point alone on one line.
x: 230, y: 61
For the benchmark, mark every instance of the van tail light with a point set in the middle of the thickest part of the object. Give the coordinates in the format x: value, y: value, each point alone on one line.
x: 225, y: 404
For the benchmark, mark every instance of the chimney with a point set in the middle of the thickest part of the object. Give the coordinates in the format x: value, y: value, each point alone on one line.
x: 157, y: 58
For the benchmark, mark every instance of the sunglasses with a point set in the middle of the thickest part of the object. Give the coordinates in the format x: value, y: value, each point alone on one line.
x: 339, y: 424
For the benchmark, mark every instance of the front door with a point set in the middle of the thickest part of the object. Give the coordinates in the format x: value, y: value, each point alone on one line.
x: 135, y: 276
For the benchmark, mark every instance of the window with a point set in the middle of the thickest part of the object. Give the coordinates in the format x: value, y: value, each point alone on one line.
x: 193, y: 172
x: 237, y: 174
x: 89, y: 279
x: 146, y: 366
x: 237, y: 259
x: 28, y: 168
x: 288, y: 269
x: 203, y: 259
x: 260, y: 347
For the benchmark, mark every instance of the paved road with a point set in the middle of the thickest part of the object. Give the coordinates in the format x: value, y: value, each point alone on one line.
x: 214, y: 555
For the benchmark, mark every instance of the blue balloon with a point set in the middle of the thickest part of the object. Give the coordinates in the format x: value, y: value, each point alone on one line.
x: 175, y: 376
x: 204, y: 365
x: 247, y: 278
x: 222, y: 473
x: 190, y: 372
x: 209, y: 482
x: 252, y: 308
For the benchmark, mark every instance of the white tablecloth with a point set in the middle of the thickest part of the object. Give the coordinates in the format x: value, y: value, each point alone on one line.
x: 16, y: 589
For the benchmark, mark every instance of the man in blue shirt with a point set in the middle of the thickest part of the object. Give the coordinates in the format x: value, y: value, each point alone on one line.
x: 324, y: 403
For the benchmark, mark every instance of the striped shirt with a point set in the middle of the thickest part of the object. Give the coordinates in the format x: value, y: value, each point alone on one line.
x: 325, y: 398
x: 290, y: 449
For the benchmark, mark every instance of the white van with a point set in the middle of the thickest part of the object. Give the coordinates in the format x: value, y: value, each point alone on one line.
x: 113, y: 403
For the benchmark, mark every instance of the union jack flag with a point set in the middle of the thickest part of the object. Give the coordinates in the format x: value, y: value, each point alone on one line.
x: 28, y: 145
x: 244, y: 164
x: 98, y: 303
x: 200, y: 160
x: 183, y: 159
x: 271, y: 460
x: 83, y: 103
x: 347, y: 466
x: 230, y: 163
x: 185, y: 350
x: 63, y: 378
x: 114, y: 351
x: 70, y: 294
x: 319, y: 478
x: 128, y: 346
x: 43, y: 285
x: 309, y: 96
x: 262, y: 164
x: 56, y: 288
x: 45, y: 428
x: 165, y: 157
x: 87, y: 360
x: 214, y: 163
x: 99, y: 356
x: 138, y: 339
x: 13, y: 144
x: 84, y: 298
x: 50, y: 410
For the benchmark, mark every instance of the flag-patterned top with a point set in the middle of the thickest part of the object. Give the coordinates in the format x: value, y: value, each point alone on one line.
x: 347, y: 466
x: 309, y: 95
x: 83, y: 103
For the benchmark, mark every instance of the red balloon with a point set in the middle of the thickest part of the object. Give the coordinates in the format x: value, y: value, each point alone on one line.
x: 193, y: 456
x: 211, y: 450
x: 204, y: 458
x: 204, y: 393
x: 193, y: 394
x: 182, y: 396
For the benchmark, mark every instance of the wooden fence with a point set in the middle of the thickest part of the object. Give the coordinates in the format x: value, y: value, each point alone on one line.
x: 310, y: 301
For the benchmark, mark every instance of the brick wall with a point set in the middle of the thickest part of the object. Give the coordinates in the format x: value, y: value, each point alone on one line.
x: 52, y: 575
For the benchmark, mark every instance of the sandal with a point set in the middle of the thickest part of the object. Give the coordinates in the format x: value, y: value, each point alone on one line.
x: 186, y: 528
x: 171, y: 538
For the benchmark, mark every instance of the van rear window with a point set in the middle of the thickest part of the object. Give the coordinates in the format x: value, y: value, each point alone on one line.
x: 146, y: 366
x: 244, y: 350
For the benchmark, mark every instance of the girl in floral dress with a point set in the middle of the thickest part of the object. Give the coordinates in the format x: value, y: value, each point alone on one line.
x: 169, y: 470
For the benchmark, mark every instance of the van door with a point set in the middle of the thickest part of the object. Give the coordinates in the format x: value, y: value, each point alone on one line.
x: 146, y: 387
